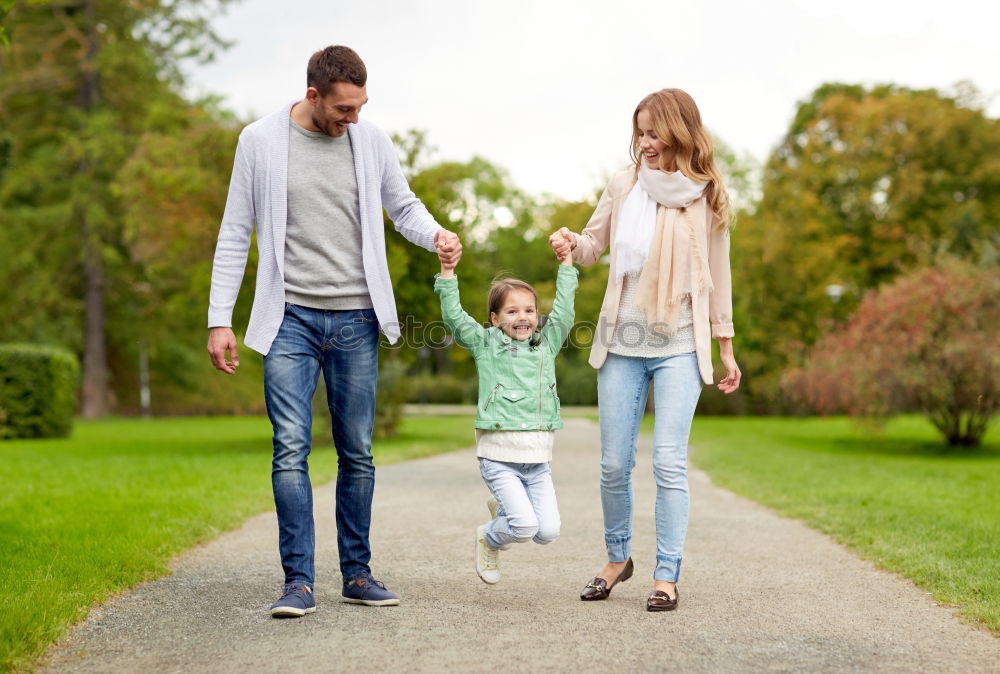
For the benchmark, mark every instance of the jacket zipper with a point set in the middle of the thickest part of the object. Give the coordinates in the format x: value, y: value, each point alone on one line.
x: 541, y: 365
x: 492, y: 395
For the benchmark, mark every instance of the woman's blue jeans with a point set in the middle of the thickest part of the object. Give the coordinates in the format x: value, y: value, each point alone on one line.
x: 343, y: 345
x: 622, y: 386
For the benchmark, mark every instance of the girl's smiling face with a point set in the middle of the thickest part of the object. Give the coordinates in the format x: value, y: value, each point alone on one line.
x: 517, y: 317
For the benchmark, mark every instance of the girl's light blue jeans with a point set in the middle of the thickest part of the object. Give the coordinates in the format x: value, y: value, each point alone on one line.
x: 622, y: 386
x: 528, y: 510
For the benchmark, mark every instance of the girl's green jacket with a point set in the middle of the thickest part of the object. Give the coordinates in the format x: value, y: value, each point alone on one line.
x: 517, y: 379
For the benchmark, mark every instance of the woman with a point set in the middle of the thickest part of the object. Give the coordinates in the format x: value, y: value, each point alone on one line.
x: 668, y: 295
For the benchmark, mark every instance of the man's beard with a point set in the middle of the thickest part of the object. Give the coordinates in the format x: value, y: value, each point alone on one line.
x: 327, y: 126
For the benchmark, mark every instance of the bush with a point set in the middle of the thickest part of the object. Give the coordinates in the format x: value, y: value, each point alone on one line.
x: 928, y: 343
x: 577, y: 382
x: 393, y: 390
x: 714, y: 402
x: 440, y: 389
x: 38, y: 387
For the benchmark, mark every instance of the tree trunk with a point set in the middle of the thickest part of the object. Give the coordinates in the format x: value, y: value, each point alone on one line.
x: 96, y: 396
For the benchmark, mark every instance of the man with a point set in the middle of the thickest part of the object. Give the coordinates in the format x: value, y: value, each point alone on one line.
x: 314, y: 178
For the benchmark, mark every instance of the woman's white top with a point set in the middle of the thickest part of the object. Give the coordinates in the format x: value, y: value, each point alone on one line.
x: 632, y: 336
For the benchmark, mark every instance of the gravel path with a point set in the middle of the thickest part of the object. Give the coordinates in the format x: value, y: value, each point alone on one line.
x: 758, y: 593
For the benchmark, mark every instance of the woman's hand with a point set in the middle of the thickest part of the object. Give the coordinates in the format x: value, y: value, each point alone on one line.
x: 731, y: 381
x: 563, y: 242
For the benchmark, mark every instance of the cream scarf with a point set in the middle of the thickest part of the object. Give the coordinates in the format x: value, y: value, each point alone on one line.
x: 657, y: 241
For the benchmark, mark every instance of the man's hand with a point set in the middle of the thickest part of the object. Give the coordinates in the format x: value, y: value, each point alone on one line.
x: 221, y: 340
x: 563, y: 242
x: 447, y: 268
x: 449, y: 248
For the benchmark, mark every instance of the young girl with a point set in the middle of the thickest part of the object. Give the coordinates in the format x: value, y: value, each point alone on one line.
x: 518, y: 410
x: 669, y: 293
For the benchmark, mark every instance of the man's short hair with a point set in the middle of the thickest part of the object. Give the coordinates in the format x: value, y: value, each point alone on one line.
x: 335, y: 64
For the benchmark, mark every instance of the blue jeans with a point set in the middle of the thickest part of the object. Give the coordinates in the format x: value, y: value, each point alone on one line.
x: 344, y: 346
x: 527, y: 503
x: 622, y: 386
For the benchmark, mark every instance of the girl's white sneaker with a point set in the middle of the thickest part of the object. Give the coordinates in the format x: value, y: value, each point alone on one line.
x: 487, y: 558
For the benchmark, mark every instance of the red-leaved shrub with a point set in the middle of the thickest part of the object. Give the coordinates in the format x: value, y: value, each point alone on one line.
x: 928, y: 343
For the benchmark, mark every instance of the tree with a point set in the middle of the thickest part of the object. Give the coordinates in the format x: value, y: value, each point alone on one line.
x: 80, y: 83
x: 171, y: 192
x: 927, y: 343
x: 5, y: 7
x: 866, y: 185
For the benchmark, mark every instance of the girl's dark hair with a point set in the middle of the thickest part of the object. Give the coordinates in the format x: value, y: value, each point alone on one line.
x: 335, y: 64
x: 499, y: 290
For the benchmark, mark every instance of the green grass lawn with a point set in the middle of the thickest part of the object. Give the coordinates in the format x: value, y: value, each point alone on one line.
x: 902, y: 498
x: 89, y: 516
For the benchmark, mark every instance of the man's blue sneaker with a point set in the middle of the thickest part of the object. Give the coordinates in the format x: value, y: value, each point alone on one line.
x: 363, y: 589
x: 296, y: 600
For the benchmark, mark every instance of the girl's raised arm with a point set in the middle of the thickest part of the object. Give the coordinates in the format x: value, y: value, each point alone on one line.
x: 466, y: 330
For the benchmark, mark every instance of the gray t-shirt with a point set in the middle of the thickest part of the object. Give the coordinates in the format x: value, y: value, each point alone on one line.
x: 323, y: 263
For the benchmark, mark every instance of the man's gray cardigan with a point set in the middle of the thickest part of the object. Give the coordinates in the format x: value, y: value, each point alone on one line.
x: 258, y: 193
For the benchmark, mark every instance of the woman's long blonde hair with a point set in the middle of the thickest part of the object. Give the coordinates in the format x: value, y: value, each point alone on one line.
x: 677, y: 123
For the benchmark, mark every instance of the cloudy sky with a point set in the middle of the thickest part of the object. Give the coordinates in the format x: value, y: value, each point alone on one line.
x: 546, y: 88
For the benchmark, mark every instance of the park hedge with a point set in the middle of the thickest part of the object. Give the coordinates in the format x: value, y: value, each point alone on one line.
x: 38, y: 386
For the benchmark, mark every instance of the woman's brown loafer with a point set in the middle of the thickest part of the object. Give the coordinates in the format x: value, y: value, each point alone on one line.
x: 661, y: 601
x: 598, y: 588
